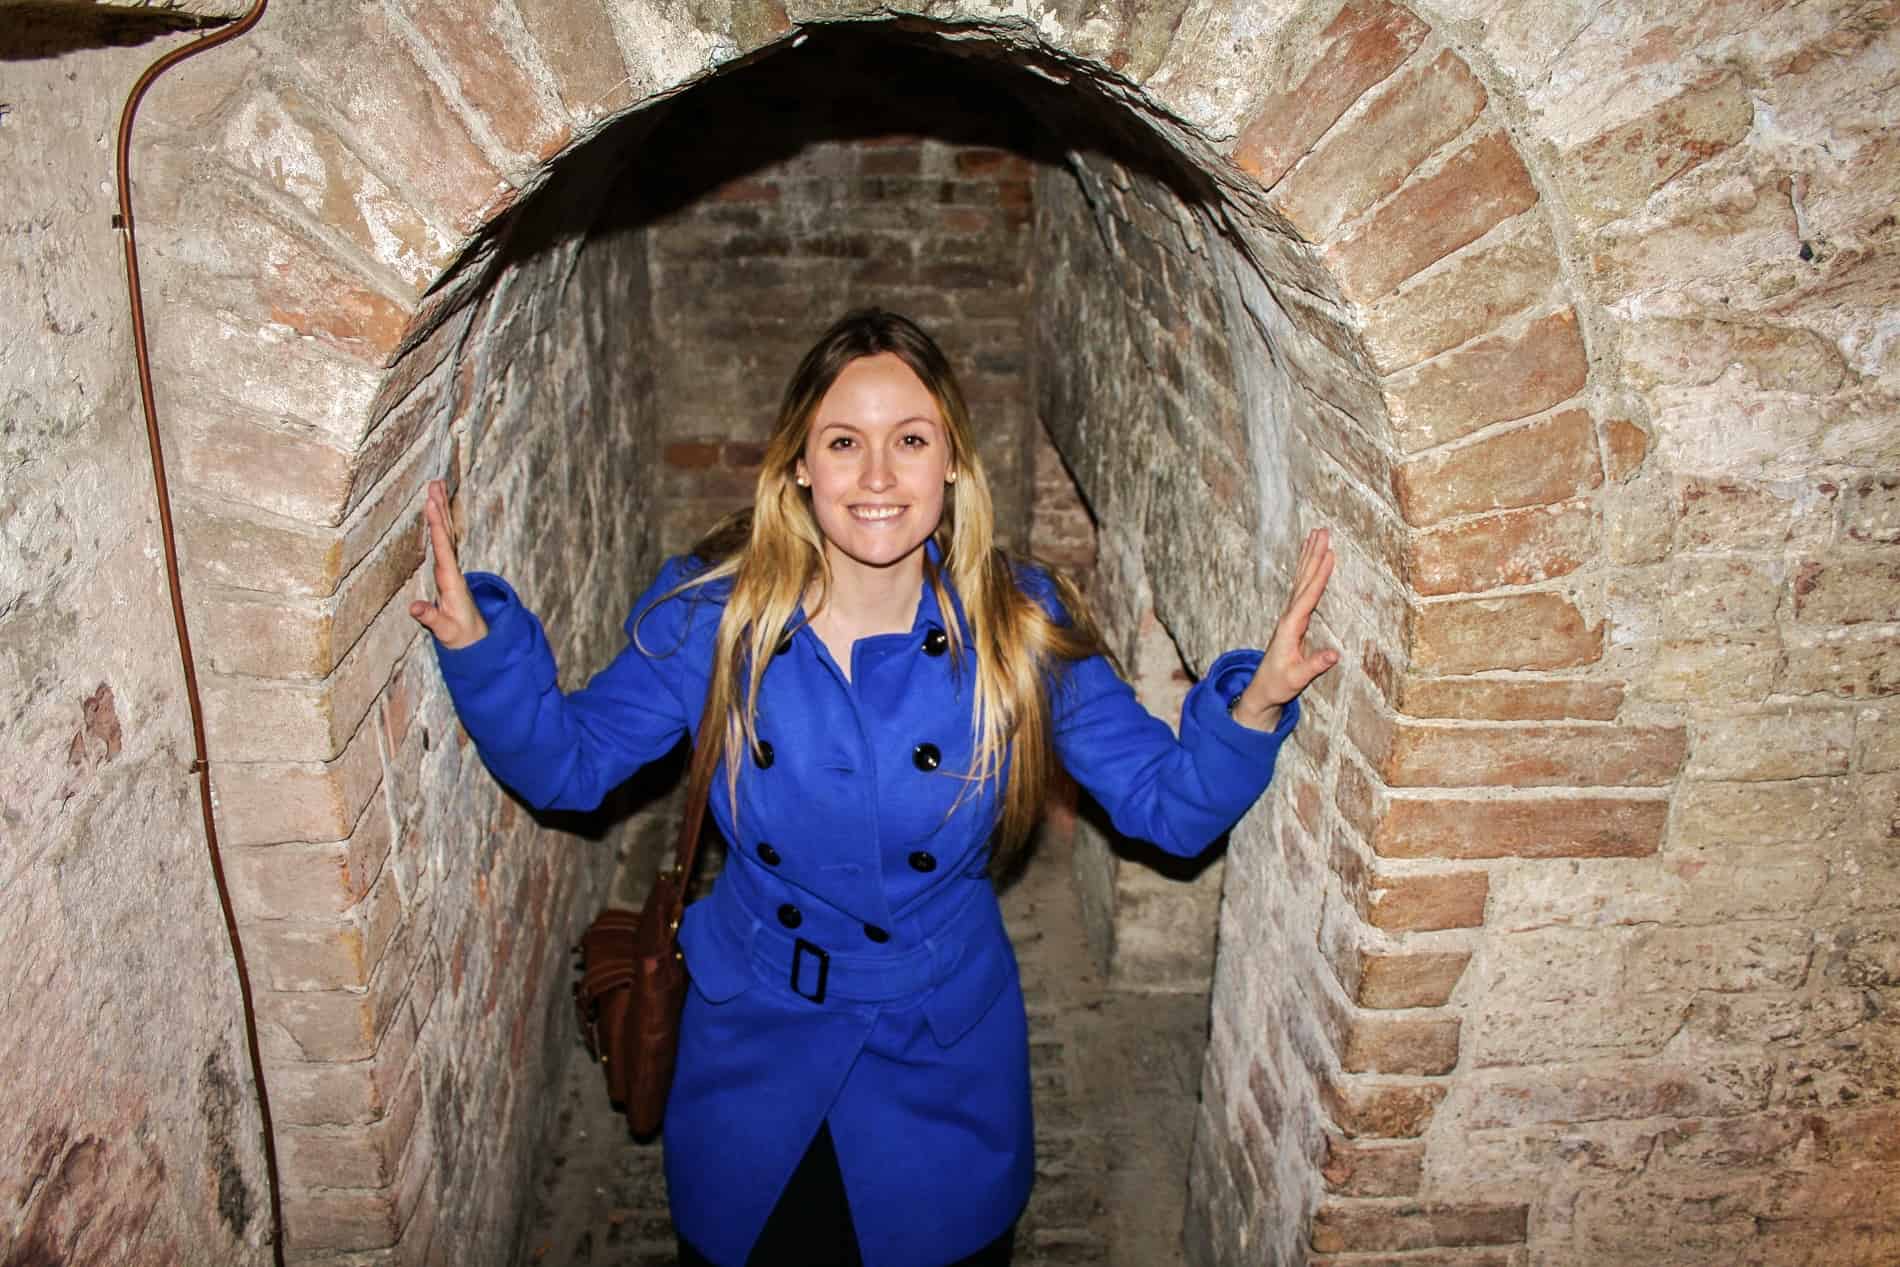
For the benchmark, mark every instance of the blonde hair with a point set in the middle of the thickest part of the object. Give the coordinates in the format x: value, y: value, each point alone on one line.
x: 774, y: 555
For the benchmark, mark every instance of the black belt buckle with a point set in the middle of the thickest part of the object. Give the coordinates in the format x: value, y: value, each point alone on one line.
x: 800, y: 948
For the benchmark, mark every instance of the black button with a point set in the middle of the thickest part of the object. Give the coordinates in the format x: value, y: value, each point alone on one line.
x: 926, y: 757
x: 762, y: 755
x: 876, y: 934
x: 790, y: 916
x: 936, y: 642
x: 767, y: 854
x: 784, y: 645
x: 922, y: 861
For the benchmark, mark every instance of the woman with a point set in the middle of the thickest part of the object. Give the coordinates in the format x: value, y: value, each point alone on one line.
x: 889, y: 693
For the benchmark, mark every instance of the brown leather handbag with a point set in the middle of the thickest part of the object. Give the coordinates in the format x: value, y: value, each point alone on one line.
x: 633, y: 979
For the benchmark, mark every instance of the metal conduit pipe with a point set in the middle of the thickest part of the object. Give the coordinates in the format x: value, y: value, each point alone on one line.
x: 200, y: 764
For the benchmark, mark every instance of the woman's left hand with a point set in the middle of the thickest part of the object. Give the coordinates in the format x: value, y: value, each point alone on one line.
x: 1287, y: 668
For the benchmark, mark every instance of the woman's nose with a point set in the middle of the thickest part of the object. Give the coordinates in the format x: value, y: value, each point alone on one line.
x: 877, y: 471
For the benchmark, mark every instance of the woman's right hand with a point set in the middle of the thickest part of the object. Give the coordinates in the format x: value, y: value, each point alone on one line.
x: 453, y: 617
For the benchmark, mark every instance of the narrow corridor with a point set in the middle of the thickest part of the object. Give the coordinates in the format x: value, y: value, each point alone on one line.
x: 1115, y: 1079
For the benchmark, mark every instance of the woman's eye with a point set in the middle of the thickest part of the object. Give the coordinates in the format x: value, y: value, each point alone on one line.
x: 840, y: 442
x: 915, y: 441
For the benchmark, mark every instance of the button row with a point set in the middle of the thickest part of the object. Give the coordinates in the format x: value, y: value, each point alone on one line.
x: 921, y: 860
x: 791, y: 917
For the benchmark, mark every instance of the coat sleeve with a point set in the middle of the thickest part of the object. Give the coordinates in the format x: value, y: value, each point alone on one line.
x: 568, y: 750
x: 1179, y: 794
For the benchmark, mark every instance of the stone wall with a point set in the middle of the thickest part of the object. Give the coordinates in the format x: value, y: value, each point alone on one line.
x: 131, y: 1133
x: 1568, y: 932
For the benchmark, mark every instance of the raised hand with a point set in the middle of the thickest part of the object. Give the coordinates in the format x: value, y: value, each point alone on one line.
x: 453, y: 617
x: 1287, y: 668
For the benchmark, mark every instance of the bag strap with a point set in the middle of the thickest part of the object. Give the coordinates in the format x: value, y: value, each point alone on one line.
x: 698, y: 788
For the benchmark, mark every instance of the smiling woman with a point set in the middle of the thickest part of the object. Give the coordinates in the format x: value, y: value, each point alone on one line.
x: 853, y: 1078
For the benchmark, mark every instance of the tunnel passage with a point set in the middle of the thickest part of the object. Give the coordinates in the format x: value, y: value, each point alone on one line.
x: 1357, y: 271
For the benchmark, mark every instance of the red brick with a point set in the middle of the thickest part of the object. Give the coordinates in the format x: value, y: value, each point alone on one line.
x: 1364, y: 43
x: 1521, y: 827
x: 413, y: 137
x: 1356, y: 1169
x: 1343, y: 1225
x: 1518, y: 547
x: 1376, y: 1044
x: 1487, y: 699
x: 1613, y: 173
x: 1479, y: 187
x: 691, y: 455
x: 1367, y: 1107
x: 362, y: 1219
x: 1496, y: 379
x: 1372, y: 154
x: 281, y: 881
x: 1625, y: 445
x: 489, y: 77
x: 577, y: 42
x: 1404, y: 753
x: 1550, y: 460
x: 1420, y: 979
x: 1523, y: 631
x: 1472, y: 292
x: 1429, y: 902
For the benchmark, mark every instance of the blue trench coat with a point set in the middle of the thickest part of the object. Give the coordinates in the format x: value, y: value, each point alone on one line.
x: 851, y: 962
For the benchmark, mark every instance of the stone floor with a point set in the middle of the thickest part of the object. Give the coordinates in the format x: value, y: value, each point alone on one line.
x: 1115, y: 1078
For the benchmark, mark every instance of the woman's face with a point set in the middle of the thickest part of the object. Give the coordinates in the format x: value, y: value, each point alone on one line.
x: 876, y: 460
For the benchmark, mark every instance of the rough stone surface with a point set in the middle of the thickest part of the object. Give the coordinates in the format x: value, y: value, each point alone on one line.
x: 1671, y: 1043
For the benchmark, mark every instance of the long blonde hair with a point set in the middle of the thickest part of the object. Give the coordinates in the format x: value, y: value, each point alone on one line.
x: 774, y: 555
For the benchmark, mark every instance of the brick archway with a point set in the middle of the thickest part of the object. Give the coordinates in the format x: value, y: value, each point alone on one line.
x: 1447, y: 424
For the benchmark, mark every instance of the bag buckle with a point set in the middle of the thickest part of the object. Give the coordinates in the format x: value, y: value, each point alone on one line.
x: 799, y: 949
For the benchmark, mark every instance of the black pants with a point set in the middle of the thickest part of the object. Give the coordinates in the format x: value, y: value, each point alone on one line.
x: 811, y: 1224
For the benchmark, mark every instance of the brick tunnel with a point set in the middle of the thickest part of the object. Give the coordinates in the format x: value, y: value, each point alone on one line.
x: 1568, y: 931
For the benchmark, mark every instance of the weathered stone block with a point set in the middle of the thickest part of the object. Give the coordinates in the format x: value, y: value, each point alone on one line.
x: 1709, y: 595
x: 1519, y: 547
x: 1364, y: 43
x: 360, y: 1220
x: 1755, y: 813
x: 1372, y: 154
x: 1722, y: 959
x: 1782, y: 745
x: 1524, y: 631
x: 1614, y: 173
x: 1855, y: 663
x: 1616, y: 1089
x: 1550, y: 460
x: 1696, y: 351
x: 1847, y: 590
x: 1496, y: 379
x: 1732, y: 515
x: 1870, y: 511
x: 1481, y: 186
x: 1730, y: 670
x: 1522, y: 827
